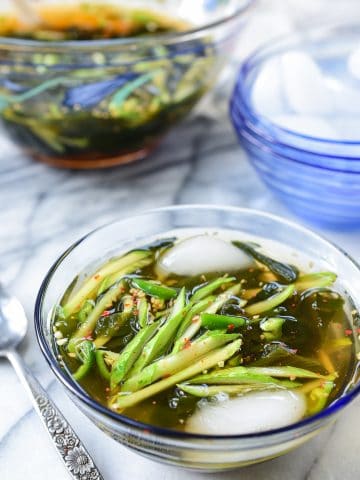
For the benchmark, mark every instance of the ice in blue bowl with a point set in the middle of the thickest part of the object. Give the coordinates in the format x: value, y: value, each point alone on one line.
x: 296, y: 111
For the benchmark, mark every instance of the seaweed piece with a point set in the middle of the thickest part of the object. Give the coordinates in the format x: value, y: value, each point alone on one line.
x: 278, y: 353
x: 287, y: 273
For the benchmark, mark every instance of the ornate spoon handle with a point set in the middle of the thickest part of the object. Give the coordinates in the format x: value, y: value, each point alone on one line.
x: 76, y: 459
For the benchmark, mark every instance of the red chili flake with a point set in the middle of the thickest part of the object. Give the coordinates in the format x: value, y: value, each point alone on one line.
x: 106, y: 313
x: 231, y: 327
x: 348, y: 332
x: 97, y: 276
x: 166, y: 375
x: 358, y: 330
x: 88, y: 337
x: 187, y: 343
x: 146, y: 431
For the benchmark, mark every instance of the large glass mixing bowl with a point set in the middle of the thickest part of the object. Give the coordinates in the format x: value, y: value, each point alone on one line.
x: 99, y: 103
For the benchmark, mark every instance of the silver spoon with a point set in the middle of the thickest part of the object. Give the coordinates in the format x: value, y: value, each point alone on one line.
x: 13, y: 326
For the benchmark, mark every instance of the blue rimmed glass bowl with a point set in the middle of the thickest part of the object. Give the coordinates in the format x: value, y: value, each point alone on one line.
x: 306, y: 152
x: 200, y: 452
x: 98, y: 103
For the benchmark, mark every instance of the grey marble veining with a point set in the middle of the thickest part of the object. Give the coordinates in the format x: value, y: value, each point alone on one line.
x: 43, y: 210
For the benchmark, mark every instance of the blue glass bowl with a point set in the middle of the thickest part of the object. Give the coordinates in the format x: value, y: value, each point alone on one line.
x: 318, y: 178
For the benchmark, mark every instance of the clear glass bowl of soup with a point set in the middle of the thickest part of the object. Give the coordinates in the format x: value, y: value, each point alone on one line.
x: 98, y: 83
x: 201, y: 451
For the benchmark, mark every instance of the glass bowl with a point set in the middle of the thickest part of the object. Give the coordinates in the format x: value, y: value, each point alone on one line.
x: 99, y: 103
x: 300, y: 129
x: 199, y: 452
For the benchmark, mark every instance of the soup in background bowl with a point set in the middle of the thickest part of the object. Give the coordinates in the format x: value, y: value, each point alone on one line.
x: 94, y: 84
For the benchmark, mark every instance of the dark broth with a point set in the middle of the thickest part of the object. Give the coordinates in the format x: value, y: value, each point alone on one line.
x: 315, y: 335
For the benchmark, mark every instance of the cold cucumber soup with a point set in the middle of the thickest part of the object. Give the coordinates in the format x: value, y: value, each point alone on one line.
x: 84, y: 104
x: 211, y: 333
x: 88, y: 21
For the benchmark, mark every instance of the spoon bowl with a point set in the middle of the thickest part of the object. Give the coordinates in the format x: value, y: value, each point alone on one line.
x: 13, y: 322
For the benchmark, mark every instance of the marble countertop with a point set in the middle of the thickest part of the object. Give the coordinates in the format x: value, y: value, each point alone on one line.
x: 43, y: 210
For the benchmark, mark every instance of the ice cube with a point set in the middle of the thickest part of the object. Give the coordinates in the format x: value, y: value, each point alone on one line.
x: 346, y: 99
x: 267, y: 96
x: 304, y: 85
x: 354, y: 63
x: 251, y: 413
x: 313, y: 126
x: 202, y: 254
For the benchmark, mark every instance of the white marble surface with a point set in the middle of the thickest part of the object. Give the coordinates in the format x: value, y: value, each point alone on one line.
x: 43, y: 210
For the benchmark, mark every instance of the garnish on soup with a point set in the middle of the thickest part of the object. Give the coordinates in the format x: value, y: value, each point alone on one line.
x: 207, y: 336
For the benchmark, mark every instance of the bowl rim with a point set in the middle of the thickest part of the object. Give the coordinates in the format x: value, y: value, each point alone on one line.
x: 283, y: 44
x: 160, y: 38
x: 73, y: 387
x: 249, y: 135
x: 255, y: 130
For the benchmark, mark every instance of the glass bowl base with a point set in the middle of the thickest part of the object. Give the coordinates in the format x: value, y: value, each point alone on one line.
x: 96, y: 161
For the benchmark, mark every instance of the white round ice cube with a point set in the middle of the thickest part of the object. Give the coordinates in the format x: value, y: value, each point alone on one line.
x: 304, y: 85
x: 346, y: 99
x: 251, y: 413
x: 203, y: 254
x: 267, y: 92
